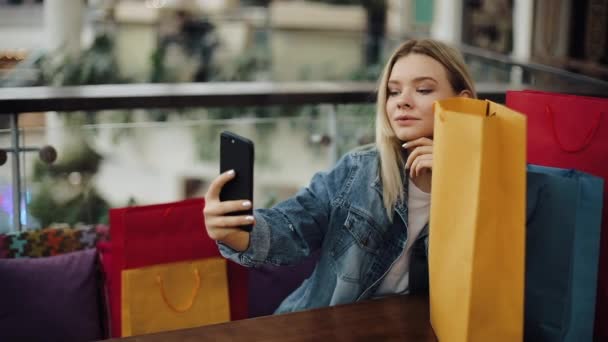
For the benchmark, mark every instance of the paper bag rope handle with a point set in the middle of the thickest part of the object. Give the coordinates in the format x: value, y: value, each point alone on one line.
x: 197, y: 286
x: 588, y: 137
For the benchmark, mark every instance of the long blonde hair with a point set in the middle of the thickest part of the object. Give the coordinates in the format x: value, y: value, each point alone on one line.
x: 389, y: 146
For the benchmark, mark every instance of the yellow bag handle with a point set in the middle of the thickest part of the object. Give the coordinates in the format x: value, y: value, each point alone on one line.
x: 197, y: 286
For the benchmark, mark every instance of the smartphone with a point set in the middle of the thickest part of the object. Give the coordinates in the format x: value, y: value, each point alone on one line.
x: 236, y: 153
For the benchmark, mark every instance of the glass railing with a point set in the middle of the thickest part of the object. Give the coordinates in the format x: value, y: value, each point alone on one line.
x: 169, y: 151
x: 145, y: 157
x: 497, y: 68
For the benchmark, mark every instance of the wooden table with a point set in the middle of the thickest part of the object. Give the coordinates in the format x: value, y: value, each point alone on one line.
x: 397, y: 318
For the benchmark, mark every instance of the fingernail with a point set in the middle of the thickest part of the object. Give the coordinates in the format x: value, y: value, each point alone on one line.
x: 230, y: 172
x: 249, y: 218
x: 246, y: 204
x: 404, y: 145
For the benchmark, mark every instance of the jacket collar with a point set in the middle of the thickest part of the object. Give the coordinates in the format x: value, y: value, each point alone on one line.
x: 400, y: 206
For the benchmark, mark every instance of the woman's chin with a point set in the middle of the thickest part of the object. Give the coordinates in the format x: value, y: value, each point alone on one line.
x: 408, y: 137
x: 410, y: 134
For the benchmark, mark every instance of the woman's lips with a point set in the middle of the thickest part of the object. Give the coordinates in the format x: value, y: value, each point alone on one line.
x: 406, y: 121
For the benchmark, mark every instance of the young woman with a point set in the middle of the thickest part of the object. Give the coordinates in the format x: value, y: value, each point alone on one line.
x: 370, y: 211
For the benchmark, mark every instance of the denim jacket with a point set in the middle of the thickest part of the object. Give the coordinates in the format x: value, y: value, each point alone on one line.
x: 342, y: 213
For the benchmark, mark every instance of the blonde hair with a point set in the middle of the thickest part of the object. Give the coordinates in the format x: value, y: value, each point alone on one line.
x: 389, y: 146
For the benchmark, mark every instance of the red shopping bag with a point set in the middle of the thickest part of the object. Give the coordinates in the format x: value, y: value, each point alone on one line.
x: 570, y: 131
x: 165, y: 233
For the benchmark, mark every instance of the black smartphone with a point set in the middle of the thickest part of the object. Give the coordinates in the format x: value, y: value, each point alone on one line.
x: 236, y: 153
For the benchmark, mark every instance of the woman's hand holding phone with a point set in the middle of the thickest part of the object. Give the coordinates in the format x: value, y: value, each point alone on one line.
x: 221, y: 226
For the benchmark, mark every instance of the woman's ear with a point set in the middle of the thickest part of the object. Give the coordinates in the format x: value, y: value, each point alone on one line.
x: 465, y: 93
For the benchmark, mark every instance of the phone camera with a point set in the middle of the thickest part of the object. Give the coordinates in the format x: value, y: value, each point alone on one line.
x: 232, y: 141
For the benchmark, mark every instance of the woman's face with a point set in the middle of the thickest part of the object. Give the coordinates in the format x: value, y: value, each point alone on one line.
x: 415, y: 82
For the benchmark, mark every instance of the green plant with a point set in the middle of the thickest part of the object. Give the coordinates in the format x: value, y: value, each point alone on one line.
x: 85, y: 207
x: 56, y: 198
x: 65, y: 191
x: 79, y: 156
x: 95, y: 65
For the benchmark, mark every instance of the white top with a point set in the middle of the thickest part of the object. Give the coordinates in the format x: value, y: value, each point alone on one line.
x: 397, y: 278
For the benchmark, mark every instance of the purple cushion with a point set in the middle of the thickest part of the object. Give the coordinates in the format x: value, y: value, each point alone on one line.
x: 270, y: 285
x: 50, y: 299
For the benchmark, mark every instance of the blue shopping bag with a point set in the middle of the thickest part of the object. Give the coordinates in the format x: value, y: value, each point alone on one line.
x: 563, y: 223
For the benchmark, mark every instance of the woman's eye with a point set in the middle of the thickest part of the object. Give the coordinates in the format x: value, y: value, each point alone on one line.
x: 424, y: 91
x: 393, y: 92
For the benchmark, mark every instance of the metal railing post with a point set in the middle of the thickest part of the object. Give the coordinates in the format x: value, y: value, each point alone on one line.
x: 332, y: 130
x: 16, y: 172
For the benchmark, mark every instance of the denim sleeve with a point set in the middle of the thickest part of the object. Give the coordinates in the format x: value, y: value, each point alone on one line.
x: 294, y: 228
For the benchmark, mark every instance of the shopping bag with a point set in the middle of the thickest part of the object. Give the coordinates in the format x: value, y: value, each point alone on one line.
x: 477, y: 223
x: 571, y: 132
x: 174, y: 296
x: 563, y: 219
x: 165, y: 233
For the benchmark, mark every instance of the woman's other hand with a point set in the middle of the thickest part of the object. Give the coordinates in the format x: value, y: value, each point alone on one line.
x: 420, y: 158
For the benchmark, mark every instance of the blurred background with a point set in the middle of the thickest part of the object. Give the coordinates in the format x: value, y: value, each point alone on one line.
x: 122, y: 157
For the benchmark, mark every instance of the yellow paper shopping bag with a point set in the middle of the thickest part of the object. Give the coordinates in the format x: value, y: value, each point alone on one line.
x: 477, y: 224
x: 174, y: 296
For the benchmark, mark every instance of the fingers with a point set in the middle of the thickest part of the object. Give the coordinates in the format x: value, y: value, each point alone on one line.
x: 218, y: 221
x: 421, y: 164
x: 230, y: 222
x: 218, y: 208
x: 418, y: 142
x: 417, y: 152
x: 213, y: 193
x: 420, y: 158
x: 220, y: 225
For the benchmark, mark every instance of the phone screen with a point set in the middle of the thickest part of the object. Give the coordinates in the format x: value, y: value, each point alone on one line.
x: 237, y: 153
